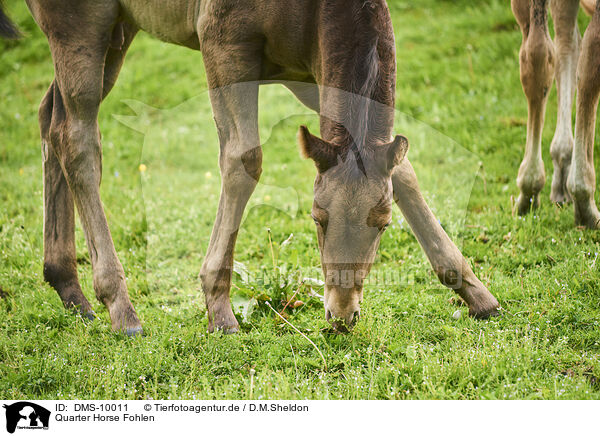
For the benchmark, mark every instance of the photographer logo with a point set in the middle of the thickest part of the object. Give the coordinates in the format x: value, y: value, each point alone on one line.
x: 26, y: 416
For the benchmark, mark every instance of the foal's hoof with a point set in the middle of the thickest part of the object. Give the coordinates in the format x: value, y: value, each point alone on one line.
x: 78, y: 304
x: 227, y: 330
x: 484, y: 307
x: 485, y: 313
x: 124, y: 319
x: 525, y: 204
x: 587, y: 216
x: 89, y: 316
x: 135, y: 331
x: 223, y: 321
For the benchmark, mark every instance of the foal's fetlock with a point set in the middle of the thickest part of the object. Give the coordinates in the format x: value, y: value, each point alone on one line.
x: 112, y: 291
x: 560, y: 193
x: 66, y: 285
x: 459, y: 276
x: 530, y: 183
x: 561, y: 157
x: 216, y: 283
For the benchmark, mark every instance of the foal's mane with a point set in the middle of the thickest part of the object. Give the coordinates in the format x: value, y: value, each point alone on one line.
x: 367, y: 115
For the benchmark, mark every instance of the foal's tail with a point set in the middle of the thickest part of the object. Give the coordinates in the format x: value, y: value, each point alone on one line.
x: 588, y: 6
x: 7, y: 28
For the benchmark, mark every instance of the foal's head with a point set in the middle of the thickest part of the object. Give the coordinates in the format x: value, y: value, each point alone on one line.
x: 351, y: 209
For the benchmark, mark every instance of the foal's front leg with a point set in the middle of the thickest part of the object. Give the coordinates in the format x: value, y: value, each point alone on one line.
x: 446, y: 259
x: 240, y: 160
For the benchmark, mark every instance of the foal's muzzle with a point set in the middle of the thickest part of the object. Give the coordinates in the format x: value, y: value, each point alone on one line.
x: 343, y: 323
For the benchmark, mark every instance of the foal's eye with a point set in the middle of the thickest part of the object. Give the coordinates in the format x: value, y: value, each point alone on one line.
x: 315, y: 220
x: 385, y: 226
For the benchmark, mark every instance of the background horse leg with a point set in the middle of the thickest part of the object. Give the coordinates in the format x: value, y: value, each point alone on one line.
x: 79, y: 48
x: 582, y: 178
x: 567, y: 40
x: 445, y: 258
x: 537, y: 73
x: 235, y: 108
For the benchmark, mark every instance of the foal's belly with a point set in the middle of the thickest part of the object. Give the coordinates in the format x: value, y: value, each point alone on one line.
x: 171, y: 21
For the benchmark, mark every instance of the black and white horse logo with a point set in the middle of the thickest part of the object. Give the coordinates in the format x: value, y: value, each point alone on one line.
x: 26, y: 415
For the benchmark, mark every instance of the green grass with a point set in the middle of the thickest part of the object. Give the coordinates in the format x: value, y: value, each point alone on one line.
x: 458, y: 78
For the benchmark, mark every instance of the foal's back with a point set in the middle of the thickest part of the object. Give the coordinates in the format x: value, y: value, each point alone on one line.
x: 184, y: 22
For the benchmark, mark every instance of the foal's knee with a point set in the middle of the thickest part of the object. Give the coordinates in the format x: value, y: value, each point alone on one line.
x: 242, y: 166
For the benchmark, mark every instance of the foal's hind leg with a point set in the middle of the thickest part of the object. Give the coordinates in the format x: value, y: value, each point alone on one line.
x: 537, y: 74
x: 445, y: 258
x: 60, y: 265
x: 567, y: 40
x: 582, y: 178
x: 79, y: 49
x: 235, y: 107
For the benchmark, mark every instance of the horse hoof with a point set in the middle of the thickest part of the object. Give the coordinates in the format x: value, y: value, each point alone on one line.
x: 526, y: 204
x: 134, y: 331
x: 587, y: 216
x: 560, y: 197
x: 485, y: 314
x: 225, y: 329
x: 221, y: 319
x: 231, y: 330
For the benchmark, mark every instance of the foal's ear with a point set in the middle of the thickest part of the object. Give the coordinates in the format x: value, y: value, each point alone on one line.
x: 321, y: 152
x: 391, y: 155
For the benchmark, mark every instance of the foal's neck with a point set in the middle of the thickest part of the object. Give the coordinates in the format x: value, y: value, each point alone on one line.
x: 358, y: 78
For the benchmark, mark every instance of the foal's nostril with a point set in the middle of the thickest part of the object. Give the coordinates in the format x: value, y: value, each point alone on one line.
x: 328, y: 315
x: 353, y: 319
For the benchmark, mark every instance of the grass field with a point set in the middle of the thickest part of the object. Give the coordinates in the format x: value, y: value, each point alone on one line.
x: 461, y: 105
